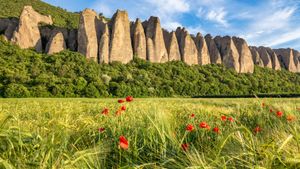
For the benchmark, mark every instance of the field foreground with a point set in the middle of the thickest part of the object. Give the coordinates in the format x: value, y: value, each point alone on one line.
x: 150, y: 133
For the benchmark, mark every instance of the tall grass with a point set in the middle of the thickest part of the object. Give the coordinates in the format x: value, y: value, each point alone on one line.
x: 63, y: 133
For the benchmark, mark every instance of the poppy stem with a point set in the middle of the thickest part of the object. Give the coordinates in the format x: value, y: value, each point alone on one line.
x: 185, y: 133
x: 120, y: 157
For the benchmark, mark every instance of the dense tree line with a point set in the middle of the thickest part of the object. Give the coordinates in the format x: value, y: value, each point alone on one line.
x: 25, y: 73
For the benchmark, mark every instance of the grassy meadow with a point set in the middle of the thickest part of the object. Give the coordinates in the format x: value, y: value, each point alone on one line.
x: 157, y: 133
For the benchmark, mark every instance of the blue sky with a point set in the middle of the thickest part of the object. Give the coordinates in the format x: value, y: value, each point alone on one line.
x: 273, y: 23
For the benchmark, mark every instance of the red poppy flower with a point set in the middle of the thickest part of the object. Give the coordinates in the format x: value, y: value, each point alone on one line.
x: 121, y: 101
x: 189, y: 127
x: 101, y: 129
x: 105, y: 111
x: 279, y: 114
x: 203, y: 125
x: 129, y: 98
x: 257, y: 129
x: 208, y: 127
x: 216, y: 130
x: 290, y: 118
x: 223, y: 118
x: 185, y: 146
x: 192, y: 115
x: 271, y: 111
x: 230, y: 119
x: 123, y: 108
x: 123, y: 143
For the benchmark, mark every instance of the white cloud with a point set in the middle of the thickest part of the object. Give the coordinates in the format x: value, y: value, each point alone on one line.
x: 284, y: 38
x: 275, y: 20
x: 170, y: 6
x: 218, y: 16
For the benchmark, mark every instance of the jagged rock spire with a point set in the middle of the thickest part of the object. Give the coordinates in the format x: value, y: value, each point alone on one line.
x: 286, y: 56
x: 215, y: 56
x: 172, y: 46
x: 188, y: 49
x: 56, y: 43
x: 256, y: 57
x: 139, y: 40
x: 88, y: 32
x: 156, y: 48
x: 229, y: 52
x: 203, y: 52
x: 245, y: 56
x: 104, y: 45
x: 120, y: 42
x: 27, y: 34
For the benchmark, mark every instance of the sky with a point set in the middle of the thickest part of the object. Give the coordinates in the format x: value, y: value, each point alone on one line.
x: 272, y: 23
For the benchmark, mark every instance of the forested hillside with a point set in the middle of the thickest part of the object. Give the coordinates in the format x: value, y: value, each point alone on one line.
x: 25, y: 73
x: 61, y: 17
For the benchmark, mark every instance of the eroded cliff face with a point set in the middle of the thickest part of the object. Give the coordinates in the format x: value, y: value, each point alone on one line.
x: 203, y: 52
x: 215, y: 56
x: 245, y: 55
x: 56, y: 43
x: 27, y: 34
x: 256, y: 57
x: 286, y: 57
x: 156, y: 48
x: 120, y: 40
x: 88, y: 31
x: 139, y: 40
x: 187, y: 46
x: 229, y: 53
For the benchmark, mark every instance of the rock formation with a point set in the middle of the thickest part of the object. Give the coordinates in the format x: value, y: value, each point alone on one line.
x: 72, y: 39
x: 215, y: 56
x: 120, y: 46
x: 187, y: 46
x: 297, y: 59
x: 27, y: 35
x: 229, y: 52
x: 274, y: 58
x: 203, y: 52
x: 256, y: 57
x: 56, y: 43
x: 11, y: 27
x: 172, y: 46
x: 104, y: 46
x: 286, y: 56
x: 88, y: 32
x: 265, y: 57
x: 156, y: 48
x: 245, y: 56
x: 139, y: 40
x: 119, y: 40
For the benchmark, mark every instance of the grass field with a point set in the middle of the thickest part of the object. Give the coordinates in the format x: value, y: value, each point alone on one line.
x: 158, y: 133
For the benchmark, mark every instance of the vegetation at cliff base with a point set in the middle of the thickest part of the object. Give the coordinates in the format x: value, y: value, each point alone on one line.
x: 61, y: 17
x: 25, y: 73
x: 149, y: 133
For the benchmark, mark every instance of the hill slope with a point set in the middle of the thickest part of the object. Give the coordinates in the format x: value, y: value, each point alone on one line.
x: 61, y: 17
x: 25, y: 73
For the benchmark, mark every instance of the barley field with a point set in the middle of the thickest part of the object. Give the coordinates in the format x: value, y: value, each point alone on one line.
x: 149, y: 133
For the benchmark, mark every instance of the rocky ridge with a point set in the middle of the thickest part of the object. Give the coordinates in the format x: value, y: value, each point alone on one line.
x: 121, y: 40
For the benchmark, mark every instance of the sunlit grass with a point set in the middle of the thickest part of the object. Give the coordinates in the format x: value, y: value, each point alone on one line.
x: 63, y: 133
